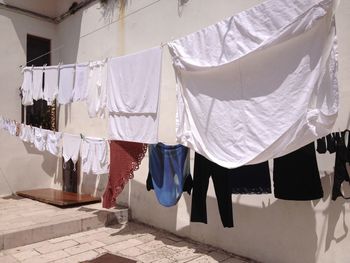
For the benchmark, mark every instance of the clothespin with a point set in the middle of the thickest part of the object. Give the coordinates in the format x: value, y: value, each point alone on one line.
x: 82, y: 136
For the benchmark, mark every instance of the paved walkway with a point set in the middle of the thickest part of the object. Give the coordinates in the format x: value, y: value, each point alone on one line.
x: 131, y: 240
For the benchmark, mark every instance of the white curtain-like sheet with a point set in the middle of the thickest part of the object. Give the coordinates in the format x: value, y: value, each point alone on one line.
x: 259, y: 84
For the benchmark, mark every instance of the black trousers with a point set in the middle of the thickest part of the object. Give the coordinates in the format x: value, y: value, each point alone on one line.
x: 203, y: 170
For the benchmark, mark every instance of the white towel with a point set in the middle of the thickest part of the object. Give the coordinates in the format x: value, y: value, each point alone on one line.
x: 51, y: 84
x: 134, y: 82
x: 133, y: 96
x: 260, y: 84
x: 66, y: 82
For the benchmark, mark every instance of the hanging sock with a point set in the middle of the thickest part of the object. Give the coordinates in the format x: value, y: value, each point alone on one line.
x: 125, y: 159
x: 296, y: 175
x: 169, y: 172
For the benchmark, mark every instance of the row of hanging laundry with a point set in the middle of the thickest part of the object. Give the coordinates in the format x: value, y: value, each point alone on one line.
x: 338, y: 143
x: 231, y: 107
x: 127, y: 86
x: 94, y: 152
x: 295, y: 175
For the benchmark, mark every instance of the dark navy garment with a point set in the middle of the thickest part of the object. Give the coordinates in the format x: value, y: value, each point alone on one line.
x: 169, y: 170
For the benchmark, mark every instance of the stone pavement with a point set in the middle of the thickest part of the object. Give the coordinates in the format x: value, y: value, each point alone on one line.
x: 24, y: 221
x: 131, y: 240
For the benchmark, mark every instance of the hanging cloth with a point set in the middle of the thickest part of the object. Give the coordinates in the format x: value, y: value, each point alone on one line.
x: 95, y: 156
x: 169, y: 172
x: 27, y: 133
x: 96, y: 89
x: 296, y: 175
x: 259, y: 84
x: 54, y: 142
x: 66, y: 82
x: 38, y: 74
x: 51, y: 84
x: 251, y: 179
x: 81, y: 82
x: 27, y: 86
x: 125, y: 159
x: 71, y: 147
x: 342, y: 157
x: 40, y: 136
x: 133, y: 96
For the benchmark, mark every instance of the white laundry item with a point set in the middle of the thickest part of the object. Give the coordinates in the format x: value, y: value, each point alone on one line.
x: 27, y: 133
x: 95, y: 156
x: 96, y: 93
x: 81, y: 82
x: 54, y: 142
x: 141, y: 128
x: 38, y: 73
x: 12, y: 127
x: 27, y: 86
x: 134, y: 82
x: 71, y: 147
x: 260, y: 84
x: 50, y: 84
x: 66, y: 84
x: 40, y: 136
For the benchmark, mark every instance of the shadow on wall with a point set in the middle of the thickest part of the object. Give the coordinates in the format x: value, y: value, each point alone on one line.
x: 281, y: 230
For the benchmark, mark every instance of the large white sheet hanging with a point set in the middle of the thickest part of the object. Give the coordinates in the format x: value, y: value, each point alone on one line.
x: 259, y: 84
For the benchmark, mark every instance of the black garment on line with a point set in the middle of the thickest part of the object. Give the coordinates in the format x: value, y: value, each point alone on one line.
x: 251, y: 179
x: 321, y: 145
x: 342, y: 156
x: 296, y: 175
x: 331, y: 147
x: 203, y: 169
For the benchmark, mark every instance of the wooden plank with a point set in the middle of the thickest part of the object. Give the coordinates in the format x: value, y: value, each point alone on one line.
x: 110, y: 258
x: 58, y: 197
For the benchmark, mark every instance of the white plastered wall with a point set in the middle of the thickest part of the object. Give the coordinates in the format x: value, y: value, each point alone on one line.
x: 266, y: 229
x: 21, y: 166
